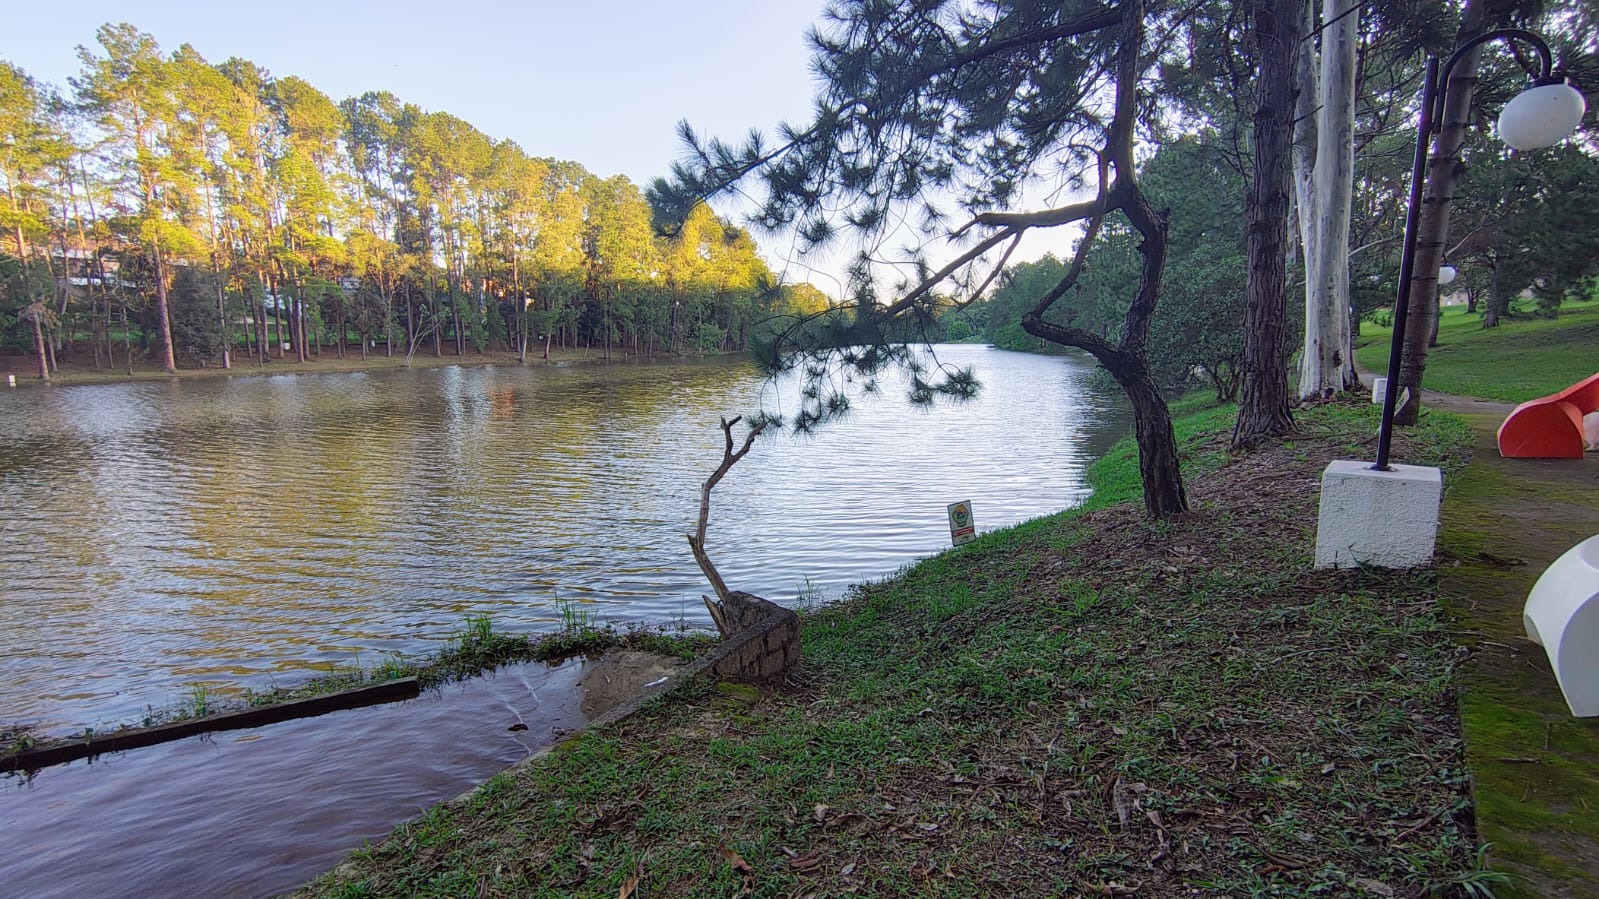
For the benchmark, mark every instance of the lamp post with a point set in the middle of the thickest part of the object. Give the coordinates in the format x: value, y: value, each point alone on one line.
x: 1541, y: 116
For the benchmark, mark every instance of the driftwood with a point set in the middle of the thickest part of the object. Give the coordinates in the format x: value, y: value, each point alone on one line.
x: 696, y: 540
x: 95, y: 744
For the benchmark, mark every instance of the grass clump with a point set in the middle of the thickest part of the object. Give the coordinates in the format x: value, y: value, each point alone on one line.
x: 1085, y: 704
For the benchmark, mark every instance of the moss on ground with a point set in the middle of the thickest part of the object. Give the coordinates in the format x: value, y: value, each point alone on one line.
x: 1083, y: 704
x: 1535, y: 767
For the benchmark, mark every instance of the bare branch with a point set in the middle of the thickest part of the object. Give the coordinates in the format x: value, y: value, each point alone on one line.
x: 1065, y: 335
x: 1044, y: 218
x: 931, y: 281
x: 1094, y: 21
x: 1075, y: 271
x: 998, y: 267
x: 696, y: 540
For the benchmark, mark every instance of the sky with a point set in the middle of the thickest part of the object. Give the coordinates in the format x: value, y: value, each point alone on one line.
x: 601, y: 83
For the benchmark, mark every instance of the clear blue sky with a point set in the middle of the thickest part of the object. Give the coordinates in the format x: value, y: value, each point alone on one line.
x: 601, y: 83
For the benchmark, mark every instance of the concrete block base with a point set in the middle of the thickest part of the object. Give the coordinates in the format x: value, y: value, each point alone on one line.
x: 1388, y: 519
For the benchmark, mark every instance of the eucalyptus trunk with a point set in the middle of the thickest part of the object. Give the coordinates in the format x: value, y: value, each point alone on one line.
x: 169, y: 362
x: 1325, y: 366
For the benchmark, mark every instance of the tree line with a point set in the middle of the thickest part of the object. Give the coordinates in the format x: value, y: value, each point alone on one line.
x: 1217, y: 157
x: 163, y: 205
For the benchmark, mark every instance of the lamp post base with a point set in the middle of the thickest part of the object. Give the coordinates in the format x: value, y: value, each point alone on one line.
x: 1386, y: 519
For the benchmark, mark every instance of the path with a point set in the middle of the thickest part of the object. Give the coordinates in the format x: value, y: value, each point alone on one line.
x: 1534, y: 767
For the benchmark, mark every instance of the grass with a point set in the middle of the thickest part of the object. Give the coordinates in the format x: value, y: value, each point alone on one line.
x: 1085, y: 704
x: 1526, y: 357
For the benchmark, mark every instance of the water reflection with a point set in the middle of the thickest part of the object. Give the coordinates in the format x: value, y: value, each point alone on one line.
x: 242, y: 531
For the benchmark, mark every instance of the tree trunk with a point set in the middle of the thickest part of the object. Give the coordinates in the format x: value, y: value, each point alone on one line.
x: 1158, y: 462
x: 169, y: 362
x: 300, y: 348
x: 438, y: 324
x: 127, y: 337
x: 38, y: 344
x: 1443, y: 168
x: 1498, y: 301
x: 1305, y: 91
x: 222, y: 315
x: 1263, y: 409
x: 1325, y: 368
x: 275, y: 289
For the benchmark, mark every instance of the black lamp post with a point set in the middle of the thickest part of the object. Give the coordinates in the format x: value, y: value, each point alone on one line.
x: 1539, y: 117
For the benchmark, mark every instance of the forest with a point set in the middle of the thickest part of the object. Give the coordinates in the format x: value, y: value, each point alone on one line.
x: 163, y: 207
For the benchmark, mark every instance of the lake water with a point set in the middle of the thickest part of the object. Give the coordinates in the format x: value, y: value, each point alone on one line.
x: 239, y: 532
x: 235, y: 533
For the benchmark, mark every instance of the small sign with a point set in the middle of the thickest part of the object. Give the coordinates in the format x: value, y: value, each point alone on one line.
x: 350, y: 284
x: 962, y: 526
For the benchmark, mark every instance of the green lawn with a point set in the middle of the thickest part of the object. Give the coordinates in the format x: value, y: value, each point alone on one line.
x: 1523, y: 359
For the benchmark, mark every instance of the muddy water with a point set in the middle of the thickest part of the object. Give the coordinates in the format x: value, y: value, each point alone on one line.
x: 258, y: 812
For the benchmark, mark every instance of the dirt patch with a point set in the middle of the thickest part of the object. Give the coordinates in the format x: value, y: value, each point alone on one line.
x: 621, y: 675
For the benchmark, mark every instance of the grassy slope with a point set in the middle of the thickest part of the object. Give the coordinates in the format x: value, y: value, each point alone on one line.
x: 1080, y: 704
x: 1523, y: 359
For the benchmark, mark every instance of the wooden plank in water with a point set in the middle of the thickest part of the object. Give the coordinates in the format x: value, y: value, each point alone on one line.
x: 56, y: 753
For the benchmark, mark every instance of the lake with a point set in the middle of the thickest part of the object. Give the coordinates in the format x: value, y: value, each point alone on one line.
x: 238, y: 532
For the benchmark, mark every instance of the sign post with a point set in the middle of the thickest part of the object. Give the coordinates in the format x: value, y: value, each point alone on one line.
x: 962, y: 526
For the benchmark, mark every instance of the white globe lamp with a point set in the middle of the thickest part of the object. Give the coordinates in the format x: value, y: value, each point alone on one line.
x: 1541, y: 116
x: 1446, y: 274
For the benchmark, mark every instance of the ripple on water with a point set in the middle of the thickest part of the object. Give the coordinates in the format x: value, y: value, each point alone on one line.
x: 258, y: 527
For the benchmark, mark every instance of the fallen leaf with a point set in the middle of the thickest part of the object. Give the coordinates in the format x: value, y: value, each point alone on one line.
x: 847, y: 870
x: 1122, y: 798
x: 807, y: 861
x: 927, y: 826
x: 821, y: 813
x: 629, y: 887
x: 736, y: 860
x: 1113, y: 889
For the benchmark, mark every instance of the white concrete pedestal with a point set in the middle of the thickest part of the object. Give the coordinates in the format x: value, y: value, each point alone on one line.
x: 1388, y: 519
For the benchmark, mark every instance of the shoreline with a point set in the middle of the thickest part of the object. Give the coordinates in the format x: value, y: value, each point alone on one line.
x: 963, y: 721
x: 74, y: 374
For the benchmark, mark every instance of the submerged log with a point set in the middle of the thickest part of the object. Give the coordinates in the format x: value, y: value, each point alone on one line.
x: 133, y: 738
